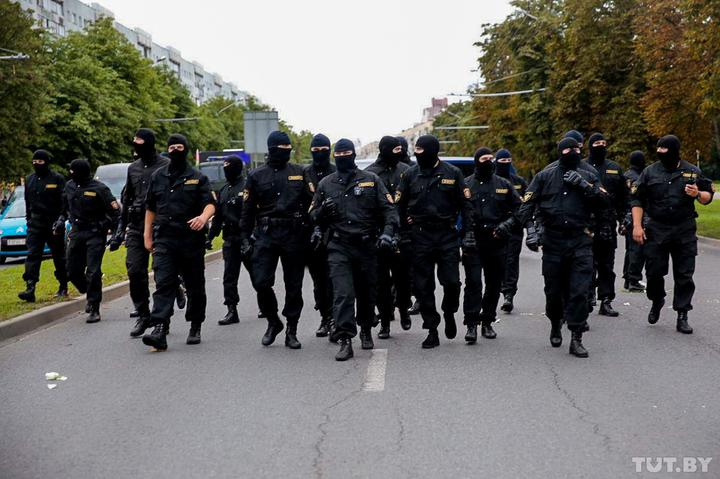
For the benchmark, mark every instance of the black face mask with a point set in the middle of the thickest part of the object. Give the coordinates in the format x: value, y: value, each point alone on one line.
x: 41, y: 170
x: 345, y: 164
x: 637, y: 160
x: 597, y: 155
x: 145, y: 151
x: 233, y: 170
x: 178, y: 161
x: 278, y: 157
x: 429, y: 157
x: 483, y: 169
x: 502, y: 169
x: 321, y: 159
x: 570, y: 161
x: 80, y: 171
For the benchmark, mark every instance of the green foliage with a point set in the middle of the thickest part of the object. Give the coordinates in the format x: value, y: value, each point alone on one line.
x: 23, y: 90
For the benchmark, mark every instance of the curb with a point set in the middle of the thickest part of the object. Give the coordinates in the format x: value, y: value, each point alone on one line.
x: 711, y: 242
x: 33, y: 320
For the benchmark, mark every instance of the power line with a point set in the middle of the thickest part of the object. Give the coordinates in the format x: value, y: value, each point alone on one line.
x: 505, y: 93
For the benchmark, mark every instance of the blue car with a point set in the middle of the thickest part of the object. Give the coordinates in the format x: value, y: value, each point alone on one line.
x: 13, y: 228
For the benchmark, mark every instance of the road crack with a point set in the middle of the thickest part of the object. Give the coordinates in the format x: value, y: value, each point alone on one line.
x: 584, y: 416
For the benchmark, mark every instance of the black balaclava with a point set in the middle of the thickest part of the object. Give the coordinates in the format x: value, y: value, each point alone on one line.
x: 146, y: 151
x: 321, y: 159
x: 597, y: 154
x: 42, y: 170
x: 485, y: 169
x: 428, y: 158
x: 670, y: 159
x: 572, y: 159
x: 233, y: 169
x: 345, y: 164
x: 637, y: 160
x: 502, y: 169
x: 80, y: 171
x: 178, y: 159
x: 404, y: 157
x: 575, y: 135
x: 278, y: 157
x: 387, y: 145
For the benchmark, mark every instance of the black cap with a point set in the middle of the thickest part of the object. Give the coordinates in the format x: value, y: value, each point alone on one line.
x: 576, y: 135
x: 317, y: 140
x: 343, y: 144
x: 42, y: 155
x: 482, y: 151
x: 277, y: 138
x: 568, y: 142
x: 178, y: 139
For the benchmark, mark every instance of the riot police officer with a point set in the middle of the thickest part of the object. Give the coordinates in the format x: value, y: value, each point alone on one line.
x: 431, y: 196
x: 277, y: 196
x: 354, y: 206
x: 634, y: 257
x: 320, y: 168
x: 610, y: 175
x: 504, y: 169
x: 565, y: 196
x: 133, y: 223
x: 45, y: 203
x: 92, y: 211
x: 404, y: 156
x: 227, y: 219
x: 494, y: 204
x: 178, y: 207
x: 666, y: 191
x: 393, y: 265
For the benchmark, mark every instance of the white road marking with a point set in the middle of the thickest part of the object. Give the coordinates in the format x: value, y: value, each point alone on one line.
x: 375, y: 375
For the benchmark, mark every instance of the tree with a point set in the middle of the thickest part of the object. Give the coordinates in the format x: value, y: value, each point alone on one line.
x: 23, y: 87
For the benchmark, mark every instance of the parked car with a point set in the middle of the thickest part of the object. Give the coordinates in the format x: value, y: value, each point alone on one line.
x: 114, y: 176
x: 214, y: 171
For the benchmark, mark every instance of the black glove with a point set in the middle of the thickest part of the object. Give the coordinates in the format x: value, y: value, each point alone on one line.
x: 533, y: 238
x: 246, y: 249
x: 625, y: 225
x: 385, y: 243
x: 59, y: 226
x: 330, y: 209
x: 469, y: 242
x: 574, y: 178
x: 504, y: 229
x: 316, y: 238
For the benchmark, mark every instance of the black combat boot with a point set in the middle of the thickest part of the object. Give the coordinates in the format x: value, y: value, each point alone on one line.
x: 332, y: 332
x: 508, y: 305
x: 487, y: 330
x: 29, y: 294
x: 414, y: 309
x: 634, y: 286
x: 556, y: 334
x: 655, y: 309
x: 94, y: 316
x: 141, y: 325
x: 180, y: 297
x: 471, y: 335
x: 194, y: 334
x: 682, y: 323
x: 291, y: 340
x: 432, y: 340
x: 450, y: 326
x: 324, y: 329
x: 157, y: 338
x: 134, y: 313
x: 231, y: 317
x: 405, y: 321
x: 606, y: 309
x: 384, y: 332
x: 62, y: 291
x: 346, y: 350
x: 366, y: 340
x: 275, y: 326
x: 576, y: 346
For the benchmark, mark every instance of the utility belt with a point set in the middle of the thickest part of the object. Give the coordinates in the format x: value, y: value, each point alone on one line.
x: 427, y: 225
x: 172, y: 225
x: 83, y: 225
x: 551, y: 232
x: 231, y: 229
x: 136, y: 215
x: 43, y: 218
x: 354, y: 239
x: 267, y: 221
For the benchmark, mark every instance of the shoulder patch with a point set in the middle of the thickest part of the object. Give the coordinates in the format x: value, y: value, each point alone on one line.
x: 193, y: 181
x: 295, y: 178
x: 528, y: 196
x: 50, y: 186
x: 366, y: 184
x: 89, y: 193
x: 398, y: 195
x: 502, y: 191
x: 466, y: 191
x: 245, y: 195
x: 447, y: 181
x: 634, y: 189
x: 389, y: 198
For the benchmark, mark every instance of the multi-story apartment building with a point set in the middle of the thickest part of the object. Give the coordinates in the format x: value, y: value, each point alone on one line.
x: 63, y: 16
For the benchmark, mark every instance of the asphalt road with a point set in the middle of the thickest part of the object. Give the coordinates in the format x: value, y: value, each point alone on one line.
x: 506, y: 408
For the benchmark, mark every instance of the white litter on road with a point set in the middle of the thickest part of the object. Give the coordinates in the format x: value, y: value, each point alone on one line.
x: 52, y: 386
x: 375, y: 375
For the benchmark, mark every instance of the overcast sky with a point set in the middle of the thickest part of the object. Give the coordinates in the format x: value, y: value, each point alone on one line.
x: 359, y: 69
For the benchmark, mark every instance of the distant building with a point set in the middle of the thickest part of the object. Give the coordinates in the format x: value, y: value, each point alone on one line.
x: 438, y: 106
x: 63, y: 16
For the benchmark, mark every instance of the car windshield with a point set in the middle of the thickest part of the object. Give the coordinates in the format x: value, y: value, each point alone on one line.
x: 16, y: 209
x: 116, y: 185
x: 212, y: 172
